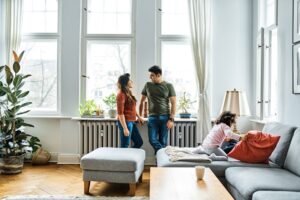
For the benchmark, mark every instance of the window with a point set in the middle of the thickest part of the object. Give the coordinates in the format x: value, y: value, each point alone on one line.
x: 267, y: 13
x: 107, y: 46
x: 40, y: 40
x: 267, y: 64
x: 175, y: 49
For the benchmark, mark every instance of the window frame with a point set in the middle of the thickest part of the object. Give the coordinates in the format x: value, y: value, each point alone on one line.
x: 160, y: 38
x: 50, y: 36
x: 104, y: 37
x: 263, y: 77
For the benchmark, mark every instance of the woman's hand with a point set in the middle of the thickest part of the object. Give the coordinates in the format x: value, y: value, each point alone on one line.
x: 243, y: 137
x: 126, y: 132
x: 140, y: 120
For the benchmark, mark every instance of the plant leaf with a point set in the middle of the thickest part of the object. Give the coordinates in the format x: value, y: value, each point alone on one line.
x: 16, y: 66
x: 23, y: 112
x: 16, y: 57
x: 26, y: 76
x: 24, y: 94
x: 25, y: 104
x: 17, y: 80
x: 9, y: 75
x: 25, y: 124
x: 21, y: 56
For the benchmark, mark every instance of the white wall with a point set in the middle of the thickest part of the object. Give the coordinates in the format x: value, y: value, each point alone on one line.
x: 231, y: 66
x: 289, y: 108
x: 231, y: 49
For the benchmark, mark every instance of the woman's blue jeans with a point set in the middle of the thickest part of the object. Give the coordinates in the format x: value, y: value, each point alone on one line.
x: 158, y: 131
x: 134, y: 135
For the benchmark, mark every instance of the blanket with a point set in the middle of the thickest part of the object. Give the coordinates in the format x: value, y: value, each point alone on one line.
x: 186, y: 154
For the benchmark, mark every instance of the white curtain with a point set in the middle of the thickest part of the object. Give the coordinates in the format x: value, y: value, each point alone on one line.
x: 199, y: 12
x: 13, y: 19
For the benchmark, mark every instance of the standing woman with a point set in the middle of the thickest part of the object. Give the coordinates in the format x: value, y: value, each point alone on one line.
x: 127, y: 115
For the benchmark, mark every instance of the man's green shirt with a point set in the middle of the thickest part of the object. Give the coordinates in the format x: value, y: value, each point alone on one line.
x: 158, y: 95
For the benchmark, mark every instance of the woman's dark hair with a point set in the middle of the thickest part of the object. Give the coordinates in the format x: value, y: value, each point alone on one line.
x: 227, y: 118
x: 155, y: 69
x: 122, y: 85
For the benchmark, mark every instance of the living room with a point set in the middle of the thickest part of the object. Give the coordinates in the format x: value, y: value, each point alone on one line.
x: 75, y: 50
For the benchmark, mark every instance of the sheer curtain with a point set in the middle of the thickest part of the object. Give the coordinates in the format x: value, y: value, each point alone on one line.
x: 199, y: 13
x: 13, y: 26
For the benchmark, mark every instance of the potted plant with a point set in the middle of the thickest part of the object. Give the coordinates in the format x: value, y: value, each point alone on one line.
x: 12, y: 135
x: 111, y: 102
x: 184, y: 105
x: 99, y: 112
x: 88, y: 108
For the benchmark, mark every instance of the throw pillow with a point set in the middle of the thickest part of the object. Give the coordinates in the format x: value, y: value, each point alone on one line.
x: 255, y: 148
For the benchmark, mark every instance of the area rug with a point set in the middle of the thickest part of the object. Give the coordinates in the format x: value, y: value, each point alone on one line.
x: 64, y: 197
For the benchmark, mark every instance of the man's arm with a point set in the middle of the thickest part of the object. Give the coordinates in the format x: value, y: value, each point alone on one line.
x: 170, y: 122
x: 143, y: 98
x: 173, y: 106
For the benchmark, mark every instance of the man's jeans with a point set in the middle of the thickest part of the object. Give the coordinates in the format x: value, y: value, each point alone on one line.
x: 158, y: 131
x: 134, y: 135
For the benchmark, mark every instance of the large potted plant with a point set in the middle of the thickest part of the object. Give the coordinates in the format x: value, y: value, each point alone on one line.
x: 12, y: 106
x: 111, y: 102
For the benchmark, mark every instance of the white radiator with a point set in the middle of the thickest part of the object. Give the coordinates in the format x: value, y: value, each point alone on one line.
x: 95, y: 134
x: 183, y: 134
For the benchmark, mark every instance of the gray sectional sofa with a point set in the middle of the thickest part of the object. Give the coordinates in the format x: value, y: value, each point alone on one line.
x: 279, y: 179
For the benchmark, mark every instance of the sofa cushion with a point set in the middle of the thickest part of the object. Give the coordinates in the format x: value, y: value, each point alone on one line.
x: 248, y: 180
x: 286, y: 133
x: 218, y: 167
x: 276, y: 195
x: 113, y: 159
x: 255, y: 148
x: 292, y: 161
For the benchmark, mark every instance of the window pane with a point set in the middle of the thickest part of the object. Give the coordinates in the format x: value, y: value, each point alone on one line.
x: 40, y: 60
x: 109, y: 17
x: 40, y: 16
x: 106, y: 61
x: 174, y: 17
x: 271, y: 15
x: 178, y: 69
x: 274, y: 75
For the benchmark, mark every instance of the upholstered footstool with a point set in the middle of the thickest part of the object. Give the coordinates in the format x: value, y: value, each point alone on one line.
x: 113, y: 165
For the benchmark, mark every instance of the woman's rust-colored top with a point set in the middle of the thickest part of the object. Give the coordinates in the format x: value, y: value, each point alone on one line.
x: 126, y: 107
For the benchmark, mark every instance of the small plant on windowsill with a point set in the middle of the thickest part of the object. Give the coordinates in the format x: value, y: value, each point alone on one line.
x: 184, y: 105
x: 111, y: 102
x: 13, y: 139
x: 88, y: 108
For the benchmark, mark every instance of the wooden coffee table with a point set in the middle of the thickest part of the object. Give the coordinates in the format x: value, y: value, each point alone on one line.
x: 181, y: 184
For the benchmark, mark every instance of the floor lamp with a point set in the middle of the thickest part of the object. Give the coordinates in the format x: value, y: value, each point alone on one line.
x: 236, y: 102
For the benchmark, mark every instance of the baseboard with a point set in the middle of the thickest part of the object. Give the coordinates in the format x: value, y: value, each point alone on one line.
x: 68, y: 159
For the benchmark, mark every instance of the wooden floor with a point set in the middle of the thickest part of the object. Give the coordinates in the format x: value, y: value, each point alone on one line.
x: 62, y: 180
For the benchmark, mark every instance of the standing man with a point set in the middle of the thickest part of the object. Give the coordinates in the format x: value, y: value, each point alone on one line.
x: 161, y: 117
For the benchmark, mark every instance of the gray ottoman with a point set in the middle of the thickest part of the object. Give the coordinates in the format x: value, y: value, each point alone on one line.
x: 113, y: 165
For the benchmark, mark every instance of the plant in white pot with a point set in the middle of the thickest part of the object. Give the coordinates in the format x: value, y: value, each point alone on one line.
x: 111, y: 102
x: 12, y: 105
x: 183, y: 105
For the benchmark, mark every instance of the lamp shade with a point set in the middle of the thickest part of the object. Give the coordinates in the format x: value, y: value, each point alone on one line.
x: 236, y: 102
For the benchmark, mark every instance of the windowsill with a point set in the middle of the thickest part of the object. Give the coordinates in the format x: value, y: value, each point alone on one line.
x: 46, y: 117
x: 114, y: 119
